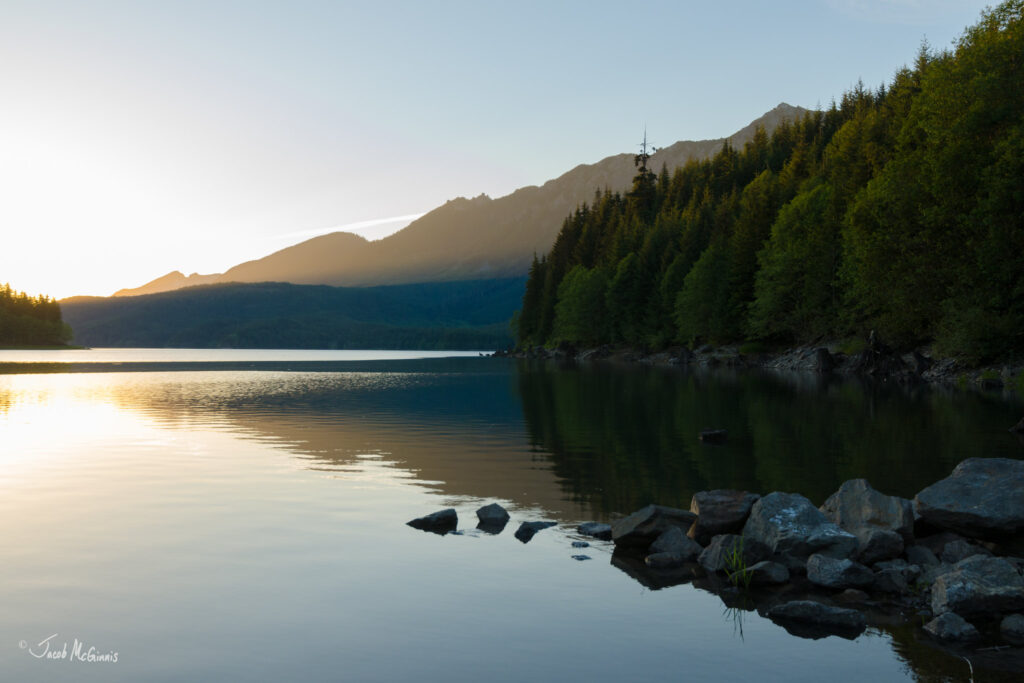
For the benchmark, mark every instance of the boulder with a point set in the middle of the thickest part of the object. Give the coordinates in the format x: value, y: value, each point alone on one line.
x: 766, y: 573
x: 1012, y: 629
x: 961, y: 550
x: 845, y: 622
x: 527, y: 530
x: 675, y: 541
x: 718, y: 556
x: 875, y: 545
x: 921, y: 556
x: 492, y: 515
x: 493, y: 518
x: 982, y: 498
x: 829, y: 572
x: 951, y: 627
x: 895, y: 576
x: 440, y: 522
x: 719, y: 512
x: 666, y: 560
x: 789, y: 524
x: 856, y: 504
x: 639, y: 529
x: 979, y: 585
x: 596, y: 530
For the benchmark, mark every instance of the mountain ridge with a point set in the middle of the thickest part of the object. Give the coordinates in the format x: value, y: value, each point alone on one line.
x: 495, y: 238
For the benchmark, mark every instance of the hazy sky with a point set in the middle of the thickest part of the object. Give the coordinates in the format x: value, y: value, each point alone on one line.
x: 141, y: 137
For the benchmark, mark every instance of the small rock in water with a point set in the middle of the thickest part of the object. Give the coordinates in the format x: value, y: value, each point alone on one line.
x: 441, y: 522
x: 713, y: 435
x: 492, y: 514
x: 665, y: 560
x: 581, y: 558
x: 1012, y: 629
x: 528, y: 530
x: 951, y: 626
x: 596, y: 530
x: 580, y: 544
x: 852, y: 596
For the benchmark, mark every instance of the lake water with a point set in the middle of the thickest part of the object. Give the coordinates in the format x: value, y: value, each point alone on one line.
x: 242, y: 517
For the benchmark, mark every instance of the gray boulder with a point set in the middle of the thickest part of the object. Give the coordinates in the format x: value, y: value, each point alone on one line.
x: 675, y: 541
x: 596, y: 530
x: 766, y: 573
x: 1012, y: 629
x: 895, y: 576
x: 641, y: 528
x: 979, y: 585
x: 829, y: 572
x: 527, y: 530
x: 921, y: 556
x: 493, y: 518
x: 440, y: 522
x: 881, y: 523
x: 729, y: 553
x: 961, y: 550
x: 982, y: 498
x: 951, y: 627
x: 720, y: 511
x: 875, y: 545
x: 857, y: 506
x: 789, y: 524
x: 846, y: 622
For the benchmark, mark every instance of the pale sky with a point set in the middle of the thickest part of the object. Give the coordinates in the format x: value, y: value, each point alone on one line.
x: 141, y: 137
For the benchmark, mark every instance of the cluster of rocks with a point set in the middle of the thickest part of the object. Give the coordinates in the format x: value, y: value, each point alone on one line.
x: 491, y: 519
x: 949, y: 558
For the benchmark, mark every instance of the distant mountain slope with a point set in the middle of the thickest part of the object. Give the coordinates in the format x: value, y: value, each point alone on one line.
x: 173, y: 280
x: 466, y: 239
x: 449, y: 315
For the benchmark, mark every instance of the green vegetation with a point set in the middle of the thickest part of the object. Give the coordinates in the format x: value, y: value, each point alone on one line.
x: 448, y: 315
x: 736, y: 566
x: 897, y: 210
x: 30, y: 321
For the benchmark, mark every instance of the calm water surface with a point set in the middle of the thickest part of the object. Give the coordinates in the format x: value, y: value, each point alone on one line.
x: 249, y: 524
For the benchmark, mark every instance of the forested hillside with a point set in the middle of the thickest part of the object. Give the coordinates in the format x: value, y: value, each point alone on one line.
x: 448, y: 315
x: 30, y: 320
x: 898, y: 209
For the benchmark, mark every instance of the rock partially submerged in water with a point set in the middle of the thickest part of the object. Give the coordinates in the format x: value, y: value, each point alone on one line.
x: 440, y: 522
x: 766, y: 573
x: 982, y: 498
x: 979, y: 585
x: 829, y: 572
x: 641, y: 528
x: 730, y: 553
x: 789, y: 524
x: 950, y: 626
x: 823, y: 619
x: 721, y: 511
x: 527, y: 530
x: 677, y: 542
x: 596, y: 530
x: 493, y: 518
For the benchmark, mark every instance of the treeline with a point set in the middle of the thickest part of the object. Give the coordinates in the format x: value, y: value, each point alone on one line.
x: 30, y: 320
x: 899, y: 210
x: 438, y: 315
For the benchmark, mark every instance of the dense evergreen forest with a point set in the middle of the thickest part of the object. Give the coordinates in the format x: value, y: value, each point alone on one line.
x: 30, y: 320
x: 899, y: 210
x: 441, y: 315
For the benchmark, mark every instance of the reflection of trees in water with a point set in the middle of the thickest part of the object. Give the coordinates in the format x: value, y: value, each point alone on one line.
x: 622, y: 437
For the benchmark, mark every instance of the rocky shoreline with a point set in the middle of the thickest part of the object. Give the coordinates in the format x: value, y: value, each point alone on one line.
x: 950, y: 562
x: 875, y: 359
